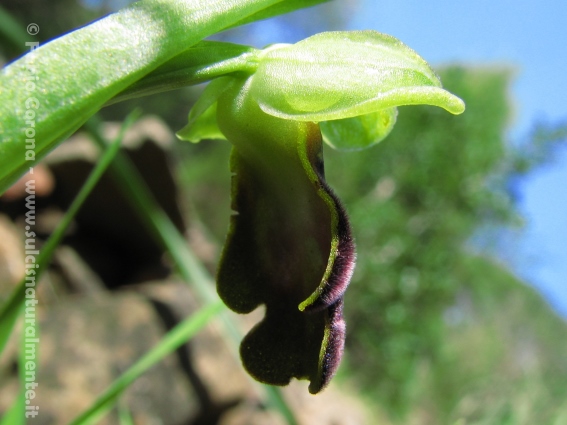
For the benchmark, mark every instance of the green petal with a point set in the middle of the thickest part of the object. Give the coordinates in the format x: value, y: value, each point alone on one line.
x: 338, y: 75
x: 203, y: 127
x: 203, y: 116
x: 357, y: 133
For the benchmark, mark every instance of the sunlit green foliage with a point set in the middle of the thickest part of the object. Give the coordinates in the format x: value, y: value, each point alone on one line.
x: 416, y: 200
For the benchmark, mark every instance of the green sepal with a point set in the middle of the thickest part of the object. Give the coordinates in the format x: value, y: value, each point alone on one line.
x: 336, y: 75
x: 203, y: 62
x: 357, y: 133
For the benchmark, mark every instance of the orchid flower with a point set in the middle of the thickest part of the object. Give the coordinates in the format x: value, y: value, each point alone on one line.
x: 290, y: 246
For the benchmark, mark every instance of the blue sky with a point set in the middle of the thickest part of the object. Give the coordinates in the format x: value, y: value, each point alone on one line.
x: 530, y: 37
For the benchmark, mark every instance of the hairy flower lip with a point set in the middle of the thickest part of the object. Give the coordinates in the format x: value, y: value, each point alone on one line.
x: 332, y: 348
x: 289, y: 246
x: 343, y: 260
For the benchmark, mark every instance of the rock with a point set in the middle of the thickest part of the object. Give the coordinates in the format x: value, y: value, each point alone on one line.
x: 87, y: 342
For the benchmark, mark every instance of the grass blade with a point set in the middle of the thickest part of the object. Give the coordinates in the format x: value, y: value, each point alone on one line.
x: 173, y: 340
x: 12, y: 30
x: 124, y: 416
x: 12, y: 307
x: 15, y: 414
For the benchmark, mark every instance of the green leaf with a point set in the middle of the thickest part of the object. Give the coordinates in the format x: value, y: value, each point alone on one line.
x: 337, y: 75
x: 280, y: 8
x: 47, y: 94
x: 357, y: 133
